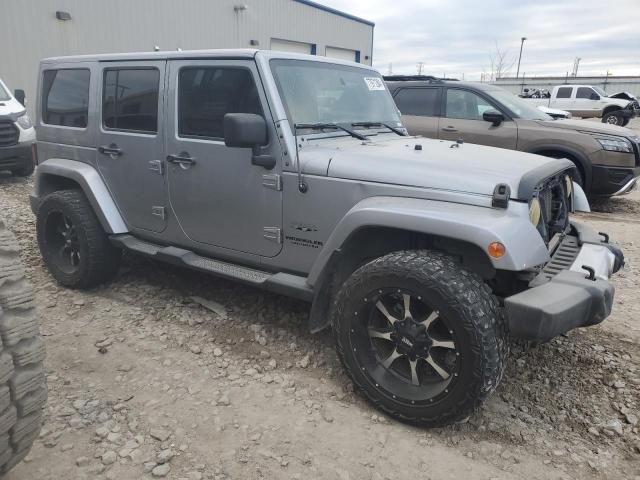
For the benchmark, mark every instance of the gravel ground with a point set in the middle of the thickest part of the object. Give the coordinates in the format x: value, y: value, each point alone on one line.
x: 146, y: 382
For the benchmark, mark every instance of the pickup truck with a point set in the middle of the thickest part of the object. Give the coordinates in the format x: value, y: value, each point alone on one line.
x: 587, y: 101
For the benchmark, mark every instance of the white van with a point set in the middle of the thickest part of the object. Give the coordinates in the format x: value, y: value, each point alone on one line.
x: 17, y: 135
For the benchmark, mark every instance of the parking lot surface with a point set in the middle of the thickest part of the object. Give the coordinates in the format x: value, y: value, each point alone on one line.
x: 170, y: 373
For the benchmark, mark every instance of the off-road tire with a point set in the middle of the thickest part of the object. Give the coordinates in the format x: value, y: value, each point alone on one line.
x: 23, y: 388
x: 100, y: 260
x: 459, y: 293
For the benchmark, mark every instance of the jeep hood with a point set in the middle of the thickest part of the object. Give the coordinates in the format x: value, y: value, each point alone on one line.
x: 432, y: 164
x: 587, y: 126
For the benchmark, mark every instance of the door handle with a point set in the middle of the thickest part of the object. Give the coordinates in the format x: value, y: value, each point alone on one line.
x: 183, y: 159
x: 449, y: 129
x: 112, y: 150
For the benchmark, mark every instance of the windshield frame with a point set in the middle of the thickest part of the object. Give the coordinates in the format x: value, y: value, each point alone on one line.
x: 599, y: 91
x: 366, y: 72
x: 489, y: 92
x: 5, y: 96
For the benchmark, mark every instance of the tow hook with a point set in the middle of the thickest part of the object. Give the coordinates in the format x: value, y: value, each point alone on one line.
x: 592, y: 272
x: 605, y: 236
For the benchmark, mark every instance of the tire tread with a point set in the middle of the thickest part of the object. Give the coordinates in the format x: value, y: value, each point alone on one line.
x: 23, y: 390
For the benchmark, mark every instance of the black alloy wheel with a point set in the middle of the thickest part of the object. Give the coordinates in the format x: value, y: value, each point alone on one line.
x: 404, y: 346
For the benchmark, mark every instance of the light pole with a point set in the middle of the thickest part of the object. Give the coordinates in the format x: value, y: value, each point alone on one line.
x: 520, y: 57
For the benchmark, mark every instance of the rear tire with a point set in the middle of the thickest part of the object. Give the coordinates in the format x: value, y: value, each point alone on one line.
x: 452, y: 357
x: 23, y: 388
x: 74, y: 247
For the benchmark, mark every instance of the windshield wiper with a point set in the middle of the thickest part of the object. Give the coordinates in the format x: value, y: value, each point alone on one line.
x: 324, y: 126
x: 379, y: 124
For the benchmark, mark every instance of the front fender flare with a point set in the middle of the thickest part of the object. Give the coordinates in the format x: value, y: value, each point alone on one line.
x: 91, y: 183
x: 477, y: 225
x: 567, y: 150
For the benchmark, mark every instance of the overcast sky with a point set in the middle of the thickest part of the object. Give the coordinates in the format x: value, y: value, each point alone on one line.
x: 459, y: 36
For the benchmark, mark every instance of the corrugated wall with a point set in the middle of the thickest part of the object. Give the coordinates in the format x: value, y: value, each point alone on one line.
x: 30, y: 31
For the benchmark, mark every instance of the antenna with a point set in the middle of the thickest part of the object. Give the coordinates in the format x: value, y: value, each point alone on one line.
x: 302, y: 186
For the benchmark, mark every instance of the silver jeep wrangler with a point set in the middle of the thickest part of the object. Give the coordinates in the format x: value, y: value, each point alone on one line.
x: 294, y: 173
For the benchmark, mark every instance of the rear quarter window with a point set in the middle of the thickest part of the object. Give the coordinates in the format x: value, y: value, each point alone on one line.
x: 65, y: 97
x: 564, y: 92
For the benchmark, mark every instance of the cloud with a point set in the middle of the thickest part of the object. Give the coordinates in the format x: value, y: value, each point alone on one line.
x: 458, y: 37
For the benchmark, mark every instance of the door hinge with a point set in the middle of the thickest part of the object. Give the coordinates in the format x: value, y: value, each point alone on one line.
x: 273, y: 234
x: 156, y: 166
x: 272, y: 181
x: 158, y: 212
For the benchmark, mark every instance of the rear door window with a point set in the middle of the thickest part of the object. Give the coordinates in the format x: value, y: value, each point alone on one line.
x: 130, y: 99
x: 421, y: 102
x: 65, y: 97
x: 564, y: 92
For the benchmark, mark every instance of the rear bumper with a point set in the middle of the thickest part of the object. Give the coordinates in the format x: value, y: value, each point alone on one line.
x: 16, y: 156
x: 570, y: 299
x: 608, y: 181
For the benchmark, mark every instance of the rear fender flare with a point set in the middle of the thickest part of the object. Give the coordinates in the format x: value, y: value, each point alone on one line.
x: 47, y: 180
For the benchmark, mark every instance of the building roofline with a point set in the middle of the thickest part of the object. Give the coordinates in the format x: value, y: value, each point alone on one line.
x: 564, y: 77
x: 309, y: 3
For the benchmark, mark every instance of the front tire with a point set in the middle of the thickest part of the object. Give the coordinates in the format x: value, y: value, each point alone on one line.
x: 422, y: 338
x: 74, y: 247
x: 613, y: 118
x: 26, y: 170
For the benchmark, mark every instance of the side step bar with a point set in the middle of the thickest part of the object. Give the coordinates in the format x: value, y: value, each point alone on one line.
x: 282, y: 283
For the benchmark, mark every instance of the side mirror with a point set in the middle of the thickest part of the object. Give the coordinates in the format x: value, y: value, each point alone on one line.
x: 20, y: 96
x: 244, y: 130
x: 493, y: 116
x: 595, y: 96
x: 248, y: 130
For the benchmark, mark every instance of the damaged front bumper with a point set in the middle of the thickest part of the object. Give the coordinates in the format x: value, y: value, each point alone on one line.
x: 571, y: 291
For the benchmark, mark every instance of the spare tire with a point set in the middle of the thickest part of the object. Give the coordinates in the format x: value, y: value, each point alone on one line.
x: 23, y: 389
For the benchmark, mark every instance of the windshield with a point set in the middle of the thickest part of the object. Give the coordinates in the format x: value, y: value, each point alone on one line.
x: 600, y: 92
x: 520, y: 108
x: 318, y: 92
x: 4, y: 95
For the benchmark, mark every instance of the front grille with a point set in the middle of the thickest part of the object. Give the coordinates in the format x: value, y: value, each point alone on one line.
x: 9, y: 134
x: 562, y: 259
x: 555, y: 207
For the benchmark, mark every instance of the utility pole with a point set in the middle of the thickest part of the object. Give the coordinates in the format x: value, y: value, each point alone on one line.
x: 420, y: 67
x: 520, y: 57
x: 390, y: 68
x: 576, y: 64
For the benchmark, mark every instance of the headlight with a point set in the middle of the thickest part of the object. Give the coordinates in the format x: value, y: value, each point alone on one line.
x: 25, y: 122
x: 615, y: 144
x: 535, y: 212
x: 569, y: 185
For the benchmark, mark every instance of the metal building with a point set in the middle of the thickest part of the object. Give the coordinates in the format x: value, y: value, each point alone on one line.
x: 34, y: 29
x: 610, y: 84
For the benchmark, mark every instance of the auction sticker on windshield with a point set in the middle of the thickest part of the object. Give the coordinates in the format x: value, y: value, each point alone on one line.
x: 374, y: 83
